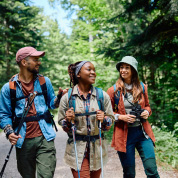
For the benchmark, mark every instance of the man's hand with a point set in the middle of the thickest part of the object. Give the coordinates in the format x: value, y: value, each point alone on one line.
x: 59, y: 95
x: 70, y: 115
x: 62, y: 91
x: 100, y: 115
x: 65, y: 91
x: 13, y: 138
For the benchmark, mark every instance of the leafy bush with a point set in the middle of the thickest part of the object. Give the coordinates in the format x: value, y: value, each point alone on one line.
x: 108, y: 134
x: 166, y: 146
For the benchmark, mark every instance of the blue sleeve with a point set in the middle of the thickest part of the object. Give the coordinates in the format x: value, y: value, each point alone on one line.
x: 50, y: 93
x: 5, y: 106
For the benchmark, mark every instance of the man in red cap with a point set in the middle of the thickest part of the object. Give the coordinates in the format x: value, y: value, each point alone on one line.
x: 35, y: 148
x: 28, y: 57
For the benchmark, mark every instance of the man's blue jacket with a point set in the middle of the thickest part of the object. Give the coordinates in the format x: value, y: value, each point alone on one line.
x: 40, y: 105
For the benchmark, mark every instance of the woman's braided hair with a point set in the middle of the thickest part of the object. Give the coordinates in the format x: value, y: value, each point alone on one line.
x: 71, y: 72
x: 73, y: 78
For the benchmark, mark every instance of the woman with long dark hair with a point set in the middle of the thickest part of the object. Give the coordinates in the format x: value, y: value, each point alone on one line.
x: 85, y: 106
x: 129, y: 98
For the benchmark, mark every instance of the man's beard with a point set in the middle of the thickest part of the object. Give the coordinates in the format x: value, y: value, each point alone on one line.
x: 33, y: 71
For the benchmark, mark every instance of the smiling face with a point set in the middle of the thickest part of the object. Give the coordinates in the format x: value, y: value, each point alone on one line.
x: 125, y: 71
x: 87, y: 74
x: 33, y: 63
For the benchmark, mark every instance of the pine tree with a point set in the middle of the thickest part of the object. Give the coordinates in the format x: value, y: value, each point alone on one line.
x: 20, y: 26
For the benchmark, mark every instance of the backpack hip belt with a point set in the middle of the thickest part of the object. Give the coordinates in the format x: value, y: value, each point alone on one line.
x: 85, y: 138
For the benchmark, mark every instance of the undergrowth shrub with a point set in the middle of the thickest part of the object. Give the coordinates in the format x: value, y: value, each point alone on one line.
x: 166, y: 146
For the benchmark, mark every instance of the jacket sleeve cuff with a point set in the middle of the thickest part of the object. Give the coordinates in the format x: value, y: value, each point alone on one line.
x: 116, y: 117
x: 8, y: 130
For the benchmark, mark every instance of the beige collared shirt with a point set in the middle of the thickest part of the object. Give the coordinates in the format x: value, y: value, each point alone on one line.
x: 81, y: 125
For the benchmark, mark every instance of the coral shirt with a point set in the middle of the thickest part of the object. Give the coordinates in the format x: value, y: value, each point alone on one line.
x: 33, y: 128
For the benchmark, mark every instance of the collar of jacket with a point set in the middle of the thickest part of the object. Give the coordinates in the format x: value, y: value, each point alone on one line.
x: 16, y: 78
x: 75, y: 91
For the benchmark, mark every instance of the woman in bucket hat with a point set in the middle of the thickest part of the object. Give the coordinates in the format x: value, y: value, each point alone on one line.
x: 129, y: 98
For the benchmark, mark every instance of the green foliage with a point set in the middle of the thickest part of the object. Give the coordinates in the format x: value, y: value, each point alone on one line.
x: 108, y: 134
x: 175, y: 132
x: 166, y: 146
x: 20, y: 25
x: 88, y: 28
x: 58, y: 55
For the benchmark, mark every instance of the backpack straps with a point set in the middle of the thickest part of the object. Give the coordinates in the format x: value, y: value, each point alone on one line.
x: 117, y: 96
x: 72, y: 99
x: 116, y: 99
x: 12, y: 86
x: 99, y: 97
x: 43, y: 87
x: 143, y: 87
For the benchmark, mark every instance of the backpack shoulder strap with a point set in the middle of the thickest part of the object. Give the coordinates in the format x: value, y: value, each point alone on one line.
x: 100, y: 98
x: 72, y: 99
x: 116, y: 98
x: 43, y: 87
x: 114, y: 87
x: 12, y: 86
x: 143, y: 87
x: 12, y: 78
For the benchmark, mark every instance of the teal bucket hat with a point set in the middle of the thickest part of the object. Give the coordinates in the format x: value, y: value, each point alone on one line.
x: 128, y: 60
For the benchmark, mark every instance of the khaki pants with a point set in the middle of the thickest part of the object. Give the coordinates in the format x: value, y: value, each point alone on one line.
x: 36, y: 155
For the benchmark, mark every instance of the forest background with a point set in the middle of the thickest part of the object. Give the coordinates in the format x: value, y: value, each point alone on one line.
x: 103, y: 32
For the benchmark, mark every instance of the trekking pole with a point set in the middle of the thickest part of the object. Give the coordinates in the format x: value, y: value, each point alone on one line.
x: 53, y: 123
x: 24, y: 114
x: 75, y: 147
x: 101, y: 151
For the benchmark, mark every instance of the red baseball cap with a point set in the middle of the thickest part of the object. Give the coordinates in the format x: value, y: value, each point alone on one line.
x: 28, y: 51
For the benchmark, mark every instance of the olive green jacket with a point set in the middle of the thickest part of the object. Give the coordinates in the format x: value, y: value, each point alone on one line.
x: 81, y: 128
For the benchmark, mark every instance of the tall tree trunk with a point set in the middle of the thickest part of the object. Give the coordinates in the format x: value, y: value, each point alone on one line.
x: 8, y: 68
x: 7, y: 46
x: 141, y: 69
x: 152, y: 75
x: 90, y: 43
